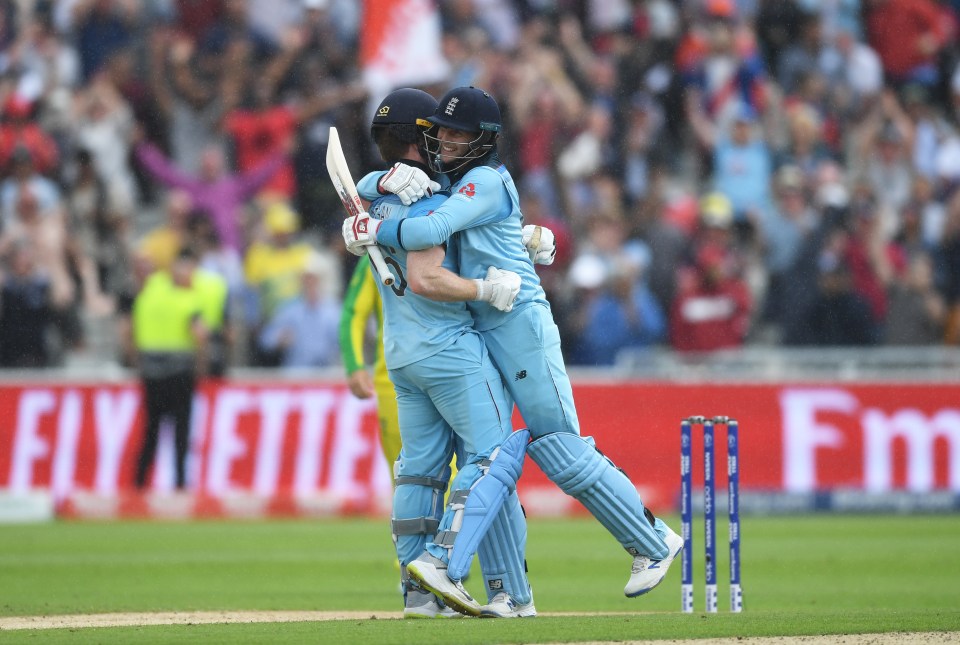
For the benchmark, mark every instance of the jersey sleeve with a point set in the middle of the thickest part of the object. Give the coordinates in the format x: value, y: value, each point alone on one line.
x: 367, y: 186
x: 478, y: 200
x: 358, y: 305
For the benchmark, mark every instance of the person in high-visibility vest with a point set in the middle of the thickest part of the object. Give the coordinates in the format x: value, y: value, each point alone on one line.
x: 170, y: 337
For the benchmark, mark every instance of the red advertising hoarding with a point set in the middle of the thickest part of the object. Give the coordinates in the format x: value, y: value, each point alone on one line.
x: 310, y: 441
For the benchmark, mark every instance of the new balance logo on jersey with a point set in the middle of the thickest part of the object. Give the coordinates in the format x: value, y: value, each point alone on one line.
x: 451, y: 106
x: 520, y: 375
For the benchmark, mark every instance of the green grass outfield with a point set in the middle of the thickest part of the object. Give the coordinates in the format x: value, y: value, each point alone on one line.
x: 801, y: 575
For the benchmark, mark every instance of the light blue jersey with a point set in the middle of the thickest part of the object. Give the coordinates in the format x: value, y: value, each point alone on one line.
x: 485, y: 210
x: 524, y: 344
x: 415, y: 327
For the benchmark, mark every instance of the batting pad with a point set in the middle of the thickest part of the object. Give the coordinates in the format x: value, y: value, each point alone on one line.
x: 450, y: 523
x: 485, y: 500
x: 575, y: 465
x: 417, y: 507
x: 503, y: 553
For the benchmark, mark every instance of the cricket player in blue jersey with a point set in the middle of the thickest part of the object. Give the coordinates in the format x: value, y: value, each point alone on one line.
x: 524, y: 343
x: 450, y: 397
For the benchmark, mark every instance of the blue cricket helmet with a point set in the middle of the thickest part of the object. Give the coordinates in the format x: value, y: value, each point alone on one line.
x: 467, y: 109
x: 404, y: 114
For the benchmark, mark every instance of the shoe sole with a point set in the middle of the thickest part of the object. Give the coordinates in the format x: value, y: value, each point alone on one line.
x: 493, y: 614
x: 430, y: 583
x: 413, y: 616
x: 668, y: 562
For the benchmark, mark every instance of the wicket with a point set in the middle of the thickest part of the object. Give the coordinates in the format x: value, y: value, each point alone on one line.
x: 709, y: 511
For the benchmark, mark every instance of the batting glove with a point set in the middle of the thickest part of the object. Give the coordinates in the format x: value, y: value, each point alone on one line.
x: 409, y: 183
x: 500, y: 288
x: 541, y: 244
x: 360, y: 232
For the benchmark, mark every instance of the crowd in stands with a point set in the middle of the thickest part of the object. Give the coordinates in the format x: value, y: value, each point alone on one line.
x: 717, y: 172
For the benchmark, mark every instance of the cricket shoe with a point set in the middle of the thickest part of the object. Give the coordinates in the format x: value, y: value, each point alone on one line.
x: 423, y: 604
x: 646, y: 573
x: 503, y: 606
x: 431, y: 574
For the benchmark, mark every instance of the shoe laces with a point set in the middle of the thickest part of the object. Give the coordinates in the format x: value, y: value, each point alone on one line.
x: 502, y: 597
x: 640, y: 563
x: 461, y: 588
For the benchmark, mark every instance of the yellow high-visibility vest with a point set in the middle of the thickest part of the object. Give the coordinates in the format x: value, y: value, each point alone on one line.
x: 163, y: 314
x: 212, y: 290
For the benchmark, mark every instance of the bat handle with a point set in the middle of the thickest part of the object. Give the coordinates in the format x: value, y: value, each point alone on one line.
x: 376, y: 256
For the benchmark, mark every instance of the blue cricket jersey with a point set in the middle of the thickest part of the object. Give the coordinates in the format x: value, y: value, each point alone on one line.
x: 484, y: 210
x: 415, y: 327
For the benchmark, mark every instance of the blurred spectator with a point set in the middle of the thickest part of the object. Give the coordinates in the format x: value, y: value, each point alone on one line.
x: 712, y: 308
x: 801, y: 57
x: 642, y: 140
x: 873, y: 261
x: 101, y: 27
x: 27, y: 311
x: 907, y: 35
x: 261, y: 127
x: 273, y: 268
x: 44, y: 232
x: 853, y: 70
x: 723, y: 71
x: 588, y: 153
x: 18, y: 132
x: 667, y: 229
x: 622, y: 314
x: 838, y: 315
x: 214, y: 190
x: 213, y: 254
x: 232, y: 28
x: 99, y: 230
x: 162, y: 243
x: 782, y: 235
x: 917, y: 310
x: 103, y: 125
x: 192, y: 90
x: 24, y: 178
x: 304, y: 330
x: 779, y: 24
x: 195, y: 17
x: 883, y: 144
x: 806, y: 148
x: 742, y: 165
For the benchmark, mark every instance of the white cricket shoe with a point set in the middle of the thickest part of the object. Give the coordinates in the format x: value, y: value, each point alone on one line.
x: 645, y: 574
x: 431, y: 573
x: 423, y: 604
x: 503, y: 606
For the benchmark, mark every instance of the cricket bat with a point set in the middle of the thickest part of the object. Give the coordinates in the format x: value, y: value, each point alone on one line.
x: 347, y: 190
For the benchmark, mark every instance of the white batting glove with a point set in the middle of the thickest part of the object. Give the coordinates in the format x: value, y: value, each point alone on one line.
x: 409, y: 183
x: 541, y: 244
x: 359, y: 233
x: 500, y: 288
